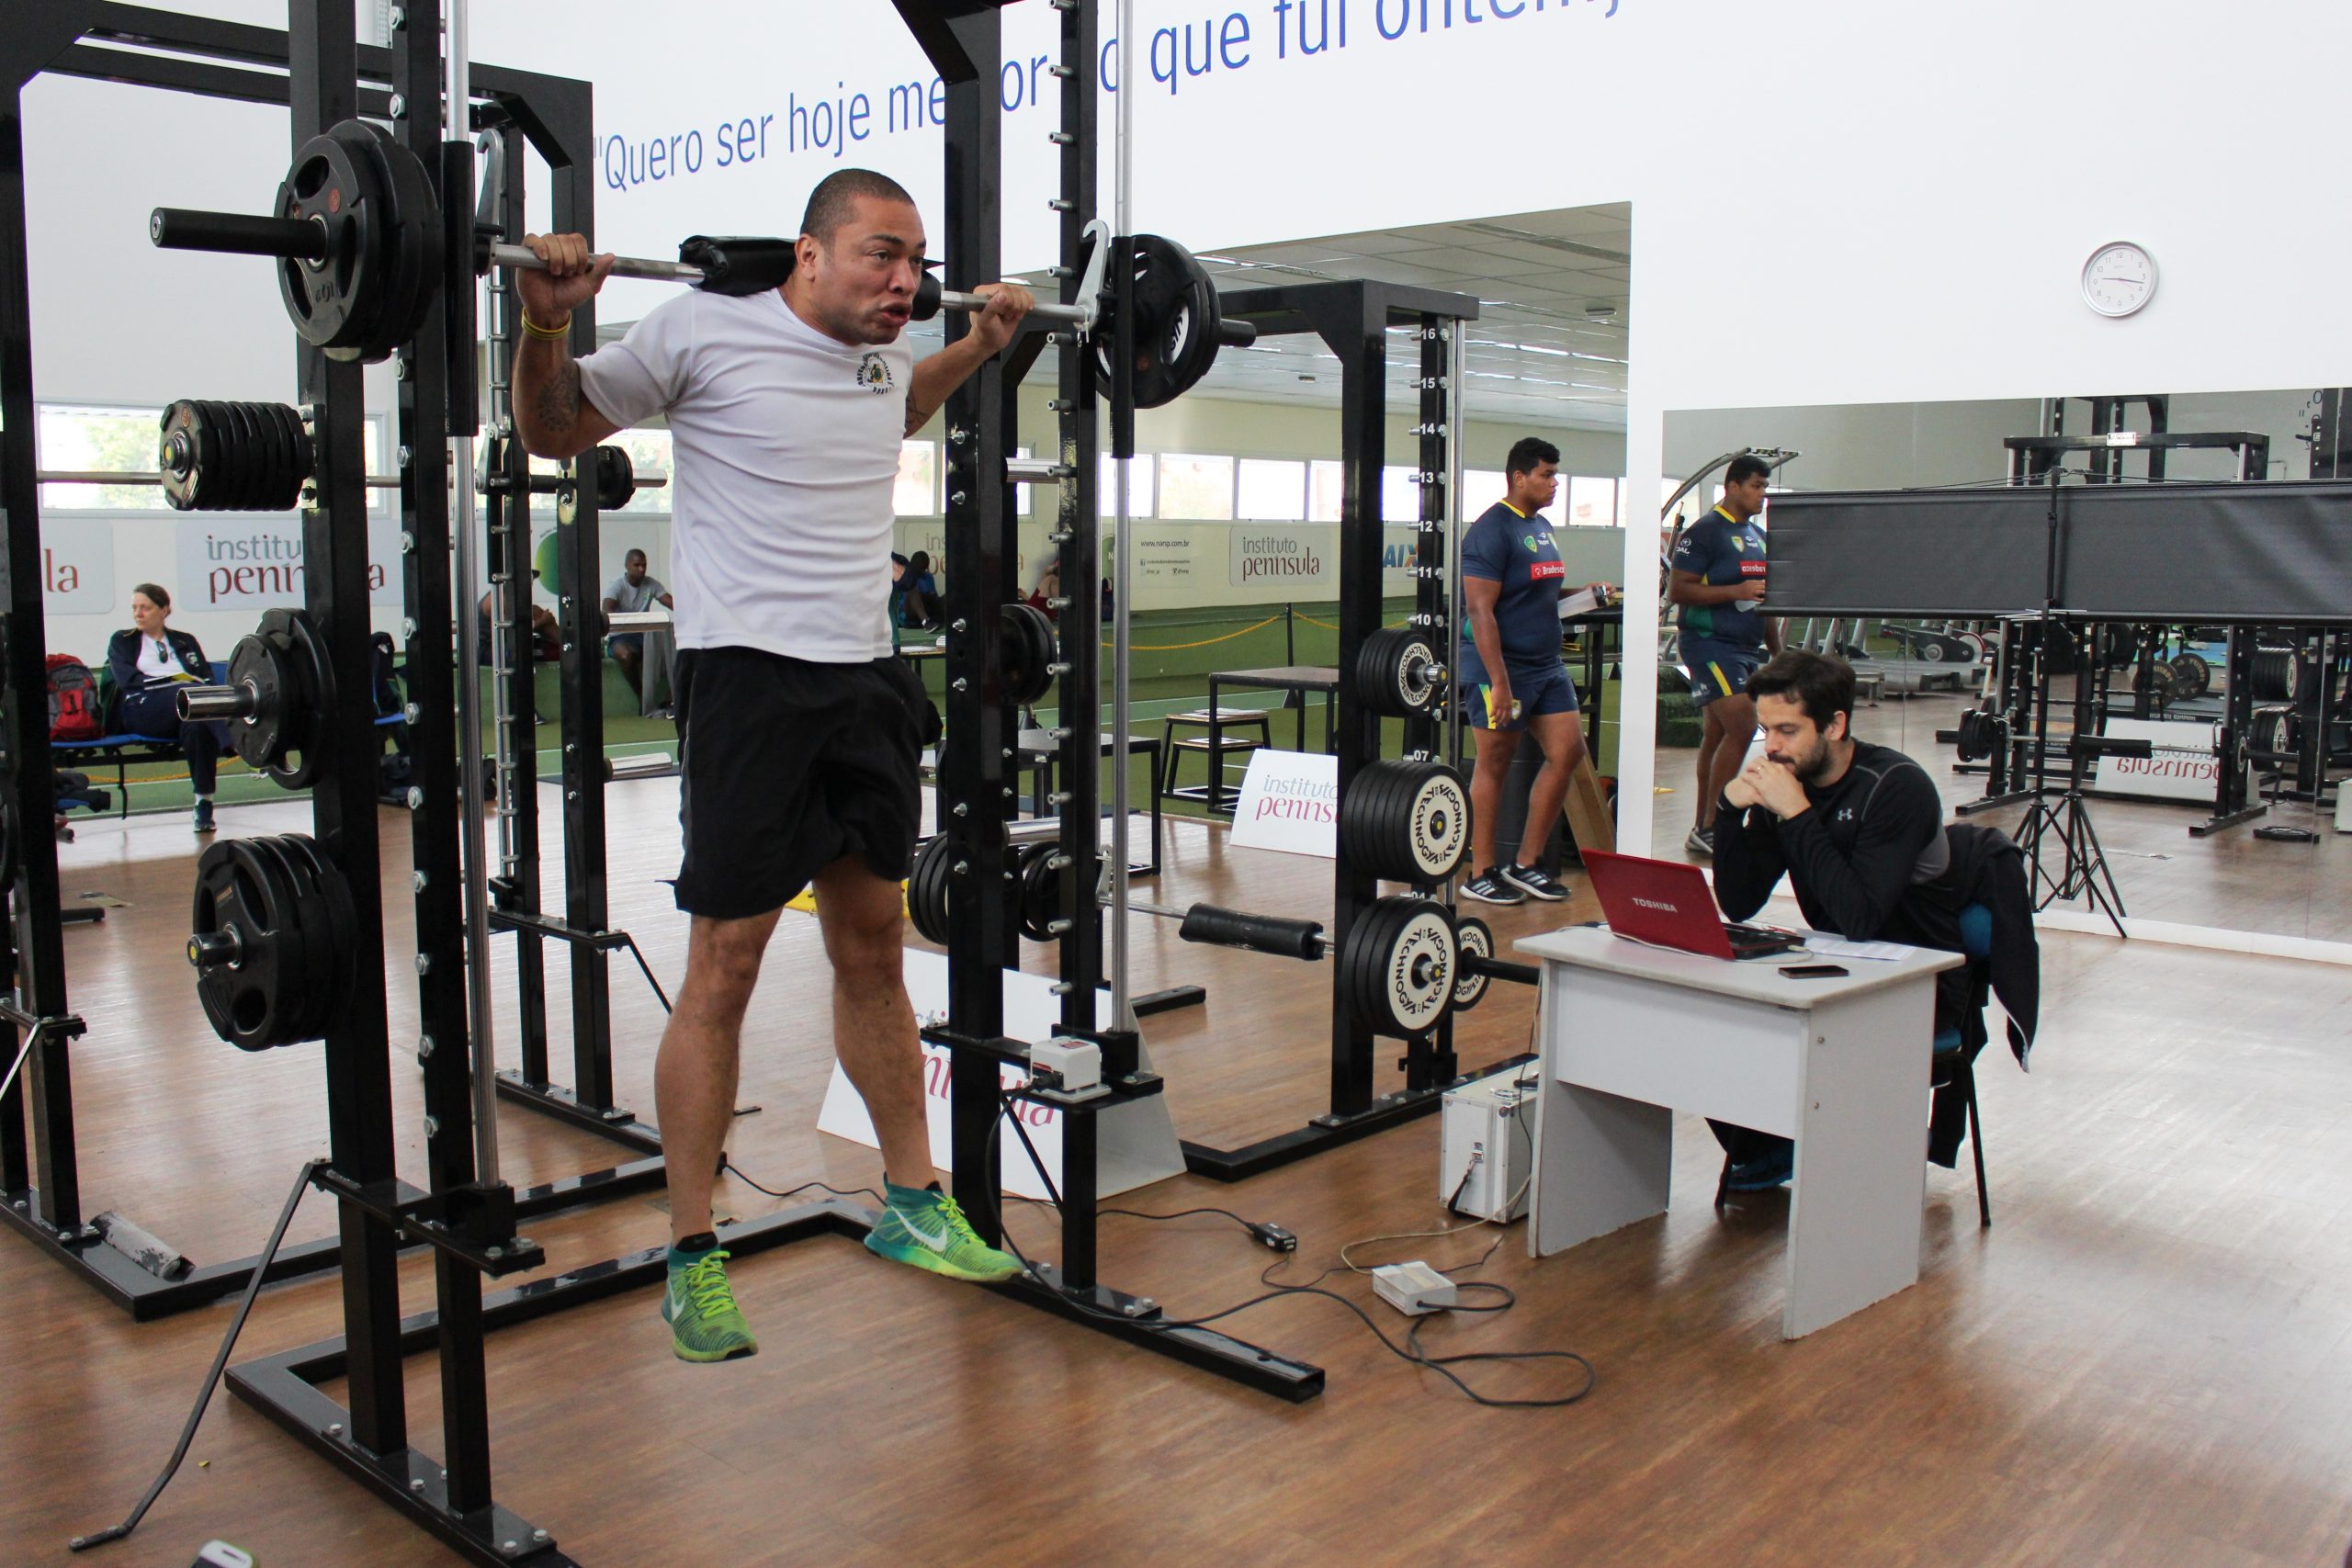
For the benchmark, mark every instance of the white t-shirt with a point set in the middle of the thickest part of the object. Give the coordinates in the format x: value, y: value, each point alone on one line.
x: 785, y: 452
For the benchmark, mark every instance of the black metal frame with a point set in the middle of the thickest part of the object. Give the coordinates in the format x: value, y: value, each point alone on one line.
x: 44, y: 1202
x: 1352, y: 320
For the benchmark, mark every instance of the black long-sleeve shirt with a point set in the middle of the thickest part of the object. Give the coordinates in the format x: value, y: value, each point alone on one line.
x: 1853, y: 860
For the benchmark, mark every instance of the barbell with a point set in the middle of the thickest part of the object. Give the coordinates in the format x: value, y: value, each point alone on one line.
x: 360, y: 243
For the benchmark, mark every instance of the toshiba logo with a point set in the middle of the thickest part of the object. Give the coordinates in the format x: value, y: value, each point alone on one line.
x: 1659, y: 905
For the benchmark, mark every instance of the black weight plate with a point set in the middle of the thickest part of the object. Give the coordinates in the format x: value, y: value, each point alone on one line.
x: 1437, y: 819
x: 1473, y: 938
x: 235, y: 470
x: 1404, y: 965
x: 417, y: 223
x: 1040, y: 887
x: 288, y: 453
x: 302, y: 944
x: 616, y: 477
x: 181, y: 427
x: 333, y: 302
x: 342, y: 927
x: 260, y: 663
x: 312, y: 697
x: 1363, y: 823
x: 927, y: 889
x: 1028, y: 651
x: 2191, y: 676
x: 266, y: 463
x: 242, y: 999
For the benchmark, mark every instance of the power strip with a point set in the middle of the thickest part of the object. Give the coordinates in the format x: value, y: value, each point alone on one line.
x: 1414, y: 1289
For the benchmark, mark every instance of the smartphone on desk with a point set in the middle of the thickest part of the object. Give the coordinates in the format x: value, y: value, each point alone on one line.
x: 1812, y: 970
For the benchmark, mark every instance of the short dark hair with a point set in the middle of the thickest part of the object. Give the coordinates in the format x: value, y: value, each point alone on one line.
x: 1822, y: 686
x: 1527, y: 452
x: 917, y: 563
x: 836, y: 195
x: 633, y: 555
x: 1745, y: 466
x: 156, y: 595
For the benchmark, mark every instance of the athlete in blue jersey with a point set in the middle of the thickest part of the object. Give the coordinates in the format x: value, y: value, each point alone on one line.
x: 1507, y: 673
x: 1717, y: 578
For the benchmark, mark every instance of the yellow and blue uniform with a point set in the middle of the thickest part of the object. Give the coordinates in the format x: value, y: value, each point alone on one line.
x: 1506, y: 546
x: 1721, y: 644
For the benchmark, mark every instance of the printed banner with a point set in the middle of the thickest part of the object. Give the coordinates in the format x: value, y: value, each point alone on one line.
x: 1290, y: 801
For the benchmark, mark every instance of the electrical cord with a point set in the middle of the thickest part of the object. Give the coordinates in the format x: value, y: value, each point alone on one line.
x: 1411, y: 1351
x: 311, y: 1169
x: 726, y: 1162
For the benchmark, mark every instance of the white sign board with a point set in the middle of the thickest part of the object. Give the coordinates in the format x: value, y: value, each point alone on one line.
x: 2182, y: 766
x: 77, y: 569
x: 1135, y: 1142
x: 255, y: 563
x: 1290, y: 801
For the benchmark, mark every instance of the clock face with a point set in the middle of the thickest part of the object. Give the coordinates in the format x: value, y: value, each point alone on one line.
x: 2119, y: 278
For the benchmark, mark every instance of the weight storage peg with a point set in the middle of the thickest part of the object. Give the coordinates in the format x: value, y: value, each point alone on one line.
x: 1406, y: 821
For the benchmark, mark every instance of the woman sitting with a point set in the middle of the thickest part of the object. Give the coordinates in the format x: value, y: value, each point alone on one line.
x: 149, y: 662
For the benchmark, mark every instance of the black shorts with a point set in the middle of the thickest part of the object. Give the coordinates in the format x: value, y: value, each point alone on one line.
x: 789, y: 766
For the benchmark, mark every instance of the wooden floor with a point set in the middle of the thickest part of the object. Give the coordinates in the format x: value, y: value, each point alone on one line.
x: 2147, y: 1360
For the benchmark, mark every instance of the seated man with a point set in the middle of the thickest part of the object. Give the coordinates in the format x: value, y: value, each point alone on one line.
x: 546, y: 634
x: 1857, y: 829
x: 627, y: 594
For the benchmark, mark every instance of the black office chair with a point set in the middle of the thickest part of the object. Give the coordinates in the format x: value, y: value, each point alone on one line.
x: 1953, y: 1064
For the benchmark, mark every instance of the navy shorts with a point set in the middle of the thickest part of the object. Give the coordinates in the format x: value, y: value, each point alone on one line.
x: 1543, y: 691
x: 788, y: 767
x: 1718, y: 669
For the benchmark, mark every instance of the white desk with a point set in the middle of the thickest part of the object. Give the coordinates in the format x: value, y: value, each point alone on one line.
x: 1632, y: 1033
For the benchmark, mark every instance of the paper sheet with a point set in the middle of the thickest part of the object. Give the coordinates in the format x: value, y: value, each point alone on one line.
x: 1581, y: 601
x: 1838, y: 947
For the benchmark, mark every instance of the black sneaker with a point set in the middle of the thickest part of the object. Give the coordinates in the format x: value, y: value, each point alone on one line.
x: 1701, y: 841
x: 1533, y: 880
x: 204, y: 816
x: 1488, y: 887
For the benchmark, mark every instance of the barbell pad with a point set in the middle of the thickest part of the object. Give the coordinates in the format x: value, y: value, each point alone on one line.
x: 1259, y: 934
x: 738, y: 265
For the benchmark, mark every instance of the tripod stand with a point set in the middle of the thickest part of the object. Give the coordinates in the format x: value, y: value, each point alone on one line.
x: 2083, y: 870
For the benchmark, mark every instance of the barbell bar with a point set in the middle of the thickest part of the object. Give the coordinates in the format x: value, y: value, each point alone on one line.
x: 543, y: 483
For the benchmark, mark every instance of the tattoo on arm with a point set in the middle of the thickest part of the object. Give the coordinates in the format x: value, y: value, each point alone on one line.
x: 559, y: 402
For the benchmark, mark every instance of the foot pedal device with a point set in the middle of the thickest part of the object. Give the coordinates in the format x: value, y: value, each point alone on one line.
x: 1414, y: 1289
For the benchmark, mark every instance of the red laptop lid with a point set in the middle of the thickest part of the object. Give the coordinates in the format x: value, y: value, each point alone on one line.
x: 1663, y: 902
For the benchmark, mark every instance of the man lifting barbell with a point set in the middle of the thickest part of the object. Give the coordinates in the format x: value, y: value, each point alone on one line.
x: 786, y: 409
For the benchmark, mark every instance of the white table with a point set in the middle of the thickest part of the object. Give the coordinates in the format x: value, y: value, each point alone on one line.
x: 1634, y: 1033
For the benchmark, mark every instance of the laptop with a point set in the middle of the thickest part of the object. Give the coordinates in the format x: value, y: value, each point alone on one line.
x: 1668, y: 904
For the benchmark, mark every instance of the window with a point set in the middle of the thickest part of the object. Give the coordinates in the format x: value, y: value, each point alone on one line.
x: 1197, y: 487
x: 1273, y: 490
x: 1139, y: 493
x: 1592, y: 502
x: 1326, y: 490
x: 1481, y: 488
x: 1400, y: 496
x: 917, y: 491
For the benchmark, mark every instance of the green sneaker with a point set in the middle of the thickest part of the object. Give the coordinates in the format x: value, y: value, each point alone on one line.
x: 704, y: 1325
x: 926, y: 1229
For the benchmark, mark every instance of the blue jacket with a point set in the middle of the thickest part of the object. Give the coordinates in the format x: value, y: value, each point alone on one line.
x: 122, y: 658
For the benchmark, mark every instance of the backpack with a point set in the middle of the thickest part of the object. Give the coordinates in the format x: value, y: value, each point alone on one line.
x: 73, y: 699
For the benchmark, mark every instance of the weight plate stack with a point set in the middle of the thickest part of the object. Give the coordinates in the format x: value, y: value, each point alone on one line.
x: 1397, y: 673
x: 927, y: 889
x: 1979, y: 735
x: 616, y: 477
x: 1473, y: 938
x: 2277, y: 672
x: 219, y: 457
x: 273, y: 940
x: 1399, y: 967
x: 2191, y: 677
x: 1406, y: 821
x: 375, y: 204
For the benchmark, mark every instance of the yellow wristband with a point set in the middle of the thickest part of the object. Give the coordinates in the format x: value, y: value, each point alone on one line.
x: 560, y: 330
